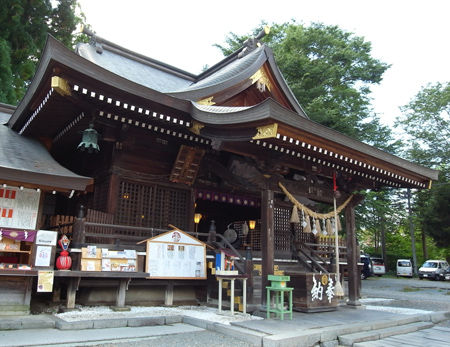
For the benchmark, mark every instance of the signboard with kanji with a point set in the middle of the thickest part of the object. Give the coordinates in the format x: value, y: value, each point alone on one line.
x: 176, y: 254
x: 18, y: 207
x: 314, y: 292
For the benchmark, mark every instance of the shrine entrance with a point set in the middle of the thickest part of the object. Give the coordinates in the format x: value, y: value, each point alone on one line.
x: 238, y: 223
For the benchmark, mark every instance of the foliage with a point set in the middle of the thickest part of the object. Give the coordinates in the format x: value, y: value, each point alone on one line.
x: 329, y: 71
x: 432, y: 207
x: 426, y: 119
x: 25, y: 25
x: 398, y: 246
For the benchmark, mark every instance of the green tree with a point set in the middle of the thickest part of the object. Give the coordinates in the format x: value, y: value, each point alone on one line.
x: 329, y: 71
x: 25, y: 25
x: 426, y: 121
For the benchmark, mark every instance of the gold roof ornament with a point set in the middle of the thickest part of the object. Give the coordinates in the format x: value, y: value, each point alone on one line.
x: 207, y: 101
x: 60, y: 85
x: 262, y: 80
x: 266, y: 131
x: 196, y: 127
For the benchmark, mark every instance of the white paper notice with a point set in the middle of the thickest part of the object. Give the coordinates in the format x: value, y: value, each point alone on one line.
x: 43, y: 254
x: 46, y: 237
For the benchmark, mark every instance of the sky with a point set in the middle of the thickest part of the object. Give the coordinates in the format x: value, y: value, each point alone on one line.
x: 413, y: 36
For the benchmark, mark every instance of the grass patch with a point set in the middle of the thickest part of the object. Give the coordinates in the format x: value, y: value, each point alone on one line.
x: 409, y: 289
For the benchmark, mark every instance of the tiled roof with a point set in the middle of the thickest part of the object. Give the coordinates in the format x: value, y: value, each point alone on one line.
x: 28, y: 161
x: 142, y: 71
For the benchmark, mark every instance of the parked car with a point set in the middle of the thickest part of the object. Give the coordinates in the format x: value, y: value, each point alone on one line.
x: 433, y: 269
x: 367, y: 269
x: 378, y: 266
x: 447, y: 274
x: 404, y: 268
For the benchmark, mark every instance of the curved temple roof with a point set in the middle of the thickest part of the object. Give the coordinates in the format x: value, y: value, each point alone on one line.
x: 269, y: 109
x: 214, y: 120
x: 172, y: 81
x: 25, y: 160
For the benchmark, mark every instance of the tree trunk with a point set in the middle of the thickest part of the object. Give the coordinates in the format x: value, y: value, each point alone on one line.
x: 424, y: 246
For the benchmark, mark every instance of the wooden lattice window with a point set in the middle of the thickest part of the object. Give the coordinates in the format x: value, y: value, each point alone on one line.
x: 282, y: 228
x: 100, y: 202
x: 152, y: 205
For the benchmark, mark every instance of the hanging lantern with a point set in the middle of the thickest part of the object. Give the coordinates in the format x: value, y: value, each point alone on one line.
x: 197, y: 217
x: 89, y: 140
x: 64, y: 261
x: 252, y: 224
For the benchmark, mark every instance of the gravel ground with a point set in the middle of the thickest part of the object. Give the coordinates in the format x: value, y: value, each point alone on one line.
x: 408, y: 293
x: 206, y: 313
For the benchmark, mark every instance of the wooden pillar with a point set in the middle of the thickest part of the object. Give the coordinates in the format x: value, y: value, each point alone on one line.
x: 113, y: 193
x: 28, y: 290
x: 78, y: 237
x: 72, y: 288
x: 249, y: 273
x: 267, y: 239
x: 191, y: 211
x: 121, y: 292
x: 79, y: 232
x: 352, y: 257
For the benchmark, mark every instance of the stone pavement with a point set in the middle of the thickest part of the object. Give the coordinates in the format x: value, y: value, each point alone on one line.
x: 345, y: 327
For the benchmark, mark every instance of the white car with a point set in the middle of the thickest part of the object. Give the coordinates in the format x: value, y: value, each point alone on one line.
x: 404, y: 268
x: 433, y: 269
x: 378, y: 266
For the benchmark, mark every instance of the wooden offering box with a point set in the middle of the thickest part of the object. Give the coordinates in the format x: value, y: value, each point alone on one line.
x: 313, y: 292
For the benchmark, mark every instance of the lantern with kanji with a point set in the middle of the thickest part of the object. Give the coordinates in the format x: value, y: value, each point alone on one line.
x: 64, y: 261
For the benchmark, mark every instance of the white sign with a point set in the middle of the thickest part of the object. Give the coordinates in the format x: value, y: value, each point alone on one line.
x: 46, y: 237
x: 43, y: 254
x: 176, y: 255
x: 18, y: 207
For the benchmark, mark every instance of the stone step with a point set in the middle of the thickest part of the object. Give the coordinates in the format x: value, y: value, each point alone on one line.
x: 372, y: 335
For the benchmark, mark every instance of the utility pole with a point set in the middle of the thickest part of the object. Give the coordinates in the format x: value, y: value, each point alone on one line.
x: 411, y: 230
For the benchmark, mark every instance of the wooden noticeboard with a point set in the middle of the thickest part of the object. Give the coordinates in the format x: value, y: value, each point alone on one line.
x: 175, y: 255
x: 18, y: 207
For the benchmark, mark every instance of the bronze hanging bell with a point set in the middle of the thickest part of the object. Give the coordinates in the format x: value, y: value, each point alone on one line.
x: 89, y: 140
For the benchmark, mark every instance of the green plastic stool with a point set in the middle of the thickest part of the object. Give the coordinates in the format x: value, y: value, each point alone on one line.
x: 278, y: 288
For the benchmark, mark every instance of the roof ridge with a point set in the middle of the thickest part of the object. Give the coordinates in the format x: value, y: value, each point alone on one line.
x: 101, y: 43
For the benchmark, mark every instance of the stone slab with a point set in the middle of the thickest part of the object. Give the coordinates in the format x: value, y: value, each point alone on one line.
x: 292, y: 339
x: 78, y: 325
x: 253, y: 337
x: 173, y: 319
x: 110, y: 323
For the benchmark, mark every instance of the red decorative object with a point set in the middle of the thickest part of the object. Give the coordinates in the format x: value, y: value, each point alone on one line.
x: 64, y: 261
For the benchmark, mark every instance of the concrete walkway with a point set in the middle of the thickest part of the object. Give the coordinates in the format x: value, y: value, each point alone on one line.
x: 345, y: 326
